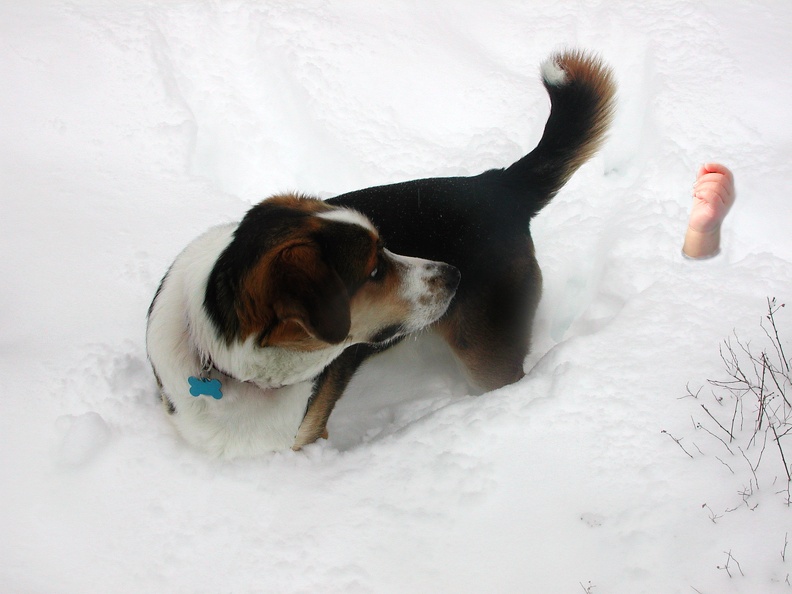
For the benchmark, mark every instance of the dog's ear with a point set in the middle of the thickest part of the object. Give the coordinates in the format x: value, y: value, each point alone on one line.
x: 307, y: 291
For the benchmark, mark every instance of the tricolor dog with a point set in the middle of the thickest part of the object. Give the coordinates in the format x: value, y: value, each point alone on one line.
x: 248, y: 333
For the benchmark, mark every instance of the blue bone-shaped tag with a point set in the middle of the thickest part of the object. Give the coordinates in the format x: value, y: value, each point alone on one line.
x: 203, y: 386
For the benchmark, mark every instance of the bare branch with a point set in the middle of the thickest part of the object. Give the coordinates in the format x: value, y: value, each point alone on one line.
x: 726, y: 445
x: 781, y: 450
x: 751, y: 466
x: 771, y: 306
x: 690, y: 394
x: 712, y: 515
x: 724, y: 463
x: 677, y: 442
x: 729, y: 433
x: 729, y: 559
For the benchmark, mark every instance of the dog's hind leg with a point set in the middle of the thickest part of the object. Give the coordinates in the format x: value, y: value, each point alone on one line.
x: 489, y: 327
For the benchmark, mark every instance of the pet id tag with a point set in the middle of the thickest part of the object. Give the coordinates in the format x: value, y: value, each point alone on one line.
x: 203, y: 386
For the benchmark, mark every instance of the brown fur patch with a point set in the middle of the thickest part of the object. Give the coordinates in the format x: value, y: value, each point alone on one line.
x: 292, y: 297
x: 300, y: 202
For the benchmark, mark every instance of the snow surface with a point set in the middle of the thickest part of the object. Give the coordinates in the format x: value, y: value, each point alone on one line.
x: 129, y: 127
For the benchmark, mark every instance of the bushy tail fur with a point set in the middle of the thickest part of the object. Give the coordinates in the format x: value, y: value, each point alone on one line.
x: 582, y: 95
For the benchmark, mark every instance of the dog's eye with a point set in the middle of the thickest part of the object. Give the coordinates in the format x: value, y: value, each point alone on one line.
x: 379, y: 271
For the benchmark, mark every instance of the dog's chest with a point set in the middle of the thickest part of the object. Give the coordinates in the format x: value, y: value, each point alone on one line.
x: 246, y: 420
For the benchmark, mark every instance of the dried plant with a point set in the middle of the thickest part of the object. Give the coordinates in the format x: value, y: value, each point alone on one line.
x: 750, y: 415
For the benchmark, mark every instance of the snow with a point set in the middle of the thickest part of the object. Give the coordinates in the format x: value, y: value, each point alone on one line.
x: 129, y: 127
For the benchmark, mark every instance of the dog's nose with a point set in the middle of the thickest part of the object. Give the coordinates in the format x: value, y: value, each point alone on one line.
x: 450, y: 276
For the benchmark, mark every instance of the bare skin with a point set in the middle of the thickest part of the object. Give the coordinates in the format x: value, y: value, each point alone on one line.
x: 713, y: 196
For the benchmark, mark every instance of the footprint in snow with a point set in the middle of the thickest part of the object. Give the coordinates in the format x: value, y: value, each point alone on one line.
x: 83, y: 437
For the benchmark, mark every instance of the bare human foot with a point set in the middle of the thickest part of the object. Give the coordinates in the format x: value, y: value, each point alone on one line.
x: 713, y: 196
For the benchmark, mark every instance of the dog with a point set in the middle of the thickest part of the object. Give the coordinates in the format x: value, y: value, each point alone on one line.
x: 209, y: 322
x: 247, y: 319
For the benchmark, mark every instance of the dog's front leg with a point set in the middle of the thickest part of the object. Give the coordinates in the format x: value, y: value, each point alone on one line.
x: 328, y: 388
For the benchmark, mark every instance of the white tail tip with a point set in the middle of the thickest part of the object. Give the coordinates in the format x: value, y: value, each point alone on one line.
x: 552, y: 73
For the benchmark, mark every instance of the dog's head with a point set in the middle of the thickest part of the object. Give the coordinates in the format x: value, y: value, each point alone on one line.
x: 301, y: 274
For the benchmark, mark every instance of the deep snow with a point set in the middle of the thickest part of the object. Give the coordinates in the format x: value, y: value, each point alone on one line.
x: 129, y: 127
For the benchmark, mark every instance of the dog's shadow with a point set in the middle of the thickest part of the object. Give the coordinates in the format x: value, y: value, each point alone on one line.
x: 409, y: 382
x: 394, y: 390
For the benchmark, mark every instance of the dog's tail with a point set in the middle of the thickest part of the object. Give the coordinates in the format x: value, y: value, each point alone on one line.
x: 582, y: 96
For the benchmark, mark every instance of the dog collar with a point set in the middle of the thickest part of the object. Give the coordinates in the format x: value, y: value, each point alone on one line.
x: 203, y: 385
